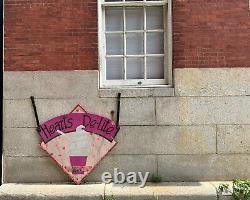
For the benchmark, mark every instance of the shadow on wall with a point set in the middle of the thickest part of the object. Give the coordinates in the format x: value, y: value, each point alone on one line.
x: 1, y: 96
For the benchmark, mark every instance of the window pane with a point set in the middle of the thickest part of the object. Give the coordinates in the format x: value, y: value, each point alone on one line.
x: 114, y: 18
x: 135, y: 68
x: 155, y: 67
x: 134, y: 43
x: 155, y: 43
x: 114, y: 68
x: 134, y: 18
x: 154, y: 17
x: 114, y: 44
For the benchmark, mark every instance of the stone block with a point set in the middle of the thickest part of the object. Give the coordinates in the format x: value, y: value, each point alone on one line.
x: 223, y: 195
x: 32, y: 170
x: 166, y: 140
x: 202, y: 110
x: 49, y: 108
x: 184, y: 191
x: 18, y: 85
x: 22, y: 142
x: 66, y: 84
x: 229, y: 197
x: 124, y: 163
x: 137, y: 111
x: 233, y: 139
x: 163, y: 191
x: 51, y: 84
x: 18, y: 113
x: 45, y: 170
x: 51, y: 192
x: 203, y: 167
x: 212, y: 81
x: 126, y: 191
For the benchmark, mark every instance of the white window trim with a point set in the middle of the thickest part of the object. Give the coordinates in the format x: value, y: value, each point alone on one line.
x: 168, y: 81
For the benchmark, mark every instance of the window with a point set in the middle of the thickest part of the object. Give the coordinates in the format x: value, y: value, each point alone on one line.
x: 135, y: 43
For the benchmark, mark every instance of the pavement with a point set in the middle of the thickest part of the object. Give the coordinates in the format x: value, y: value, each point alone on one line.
x: 100, y: 191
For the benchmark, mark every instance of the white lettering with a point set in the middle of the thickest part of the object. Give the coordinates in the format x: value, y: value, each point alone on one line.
x: 106, y: 177
x: 143, y: 180
x: 121, y: 177
x: 131, y: 178
x: 116, y: 176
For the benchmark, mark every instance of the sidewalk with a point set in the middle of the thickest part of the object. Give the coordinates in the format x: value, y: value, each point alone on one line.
x: 160, y: 191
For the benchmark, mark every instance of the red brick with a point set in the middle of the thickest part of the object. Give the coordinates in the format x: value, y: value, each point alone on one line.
x: 211, y: 33
x: 50, y: 35
x: 62, y: 34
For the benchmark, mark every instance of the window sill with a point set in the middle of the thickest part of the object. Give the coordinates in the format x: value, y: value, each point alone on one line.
x: 137, y: 92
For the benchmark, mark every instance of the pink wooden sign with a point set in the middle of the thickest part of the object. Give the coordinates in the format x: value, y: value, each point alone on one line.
x: 78, y: 141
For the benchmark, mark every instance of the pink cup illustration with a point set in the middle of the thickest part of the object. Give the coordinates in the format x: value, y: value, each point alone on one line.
x: 79, y: 148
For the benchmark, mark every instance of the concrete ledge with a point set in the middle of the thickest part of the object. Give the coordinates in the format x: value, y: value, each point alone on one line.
x: 51, y: 192
x: 161, y: 191
x: 137, y: 92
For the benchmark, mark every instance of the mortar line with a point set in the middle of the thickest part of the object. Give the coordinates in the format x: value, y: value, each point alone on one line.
x: 147, y: 96
x: 218, y: 96
x: 216, y: 137
x: 104, y: 191
x: 181, y: 154
x: 134, y: 155
x: 152, y: 125
x: 233, y: 124
x: 155, y: 113
x: 157, y: 165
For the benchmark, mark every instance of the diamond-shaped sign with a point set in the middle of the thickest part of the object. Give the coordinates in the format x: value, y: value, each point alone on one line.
x: 78, y: 141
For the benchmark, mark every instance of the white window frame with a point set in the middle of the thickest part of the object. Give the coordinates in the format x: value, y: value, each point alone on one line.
x: 167, y: 81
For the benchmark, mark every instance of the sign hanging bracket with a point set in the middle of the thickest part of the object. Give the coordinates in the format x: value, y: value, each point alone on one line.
x: 35, y: 111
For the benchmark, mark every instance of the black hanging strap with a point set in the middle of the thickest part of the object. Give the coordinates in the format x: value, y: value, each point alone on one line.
x: 118, y: 109
x: 35, y: 111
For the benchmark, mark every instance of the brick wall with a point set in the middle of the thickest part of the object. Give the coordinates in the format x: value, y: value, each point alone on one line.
x: 62, y: 34
x: 211, y: 33
x: 50, y: 35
